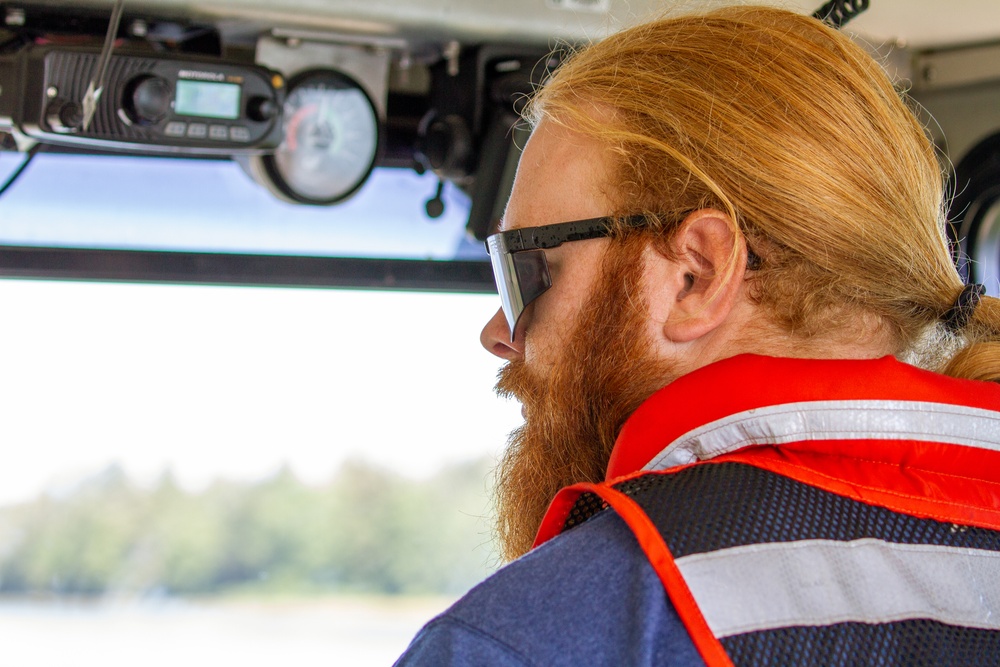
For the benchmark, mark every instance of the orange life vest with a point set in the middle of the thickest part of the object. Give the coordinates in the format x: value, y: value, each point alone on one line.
x: 815, y: 512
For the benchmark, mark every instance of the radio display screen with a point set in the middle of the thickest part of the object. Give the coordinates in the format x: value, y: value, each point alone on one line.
x: 210, y: 99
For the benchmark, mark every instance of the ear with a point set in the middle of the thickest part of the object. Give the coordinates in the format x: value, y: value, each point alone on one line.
x: 696, y: 290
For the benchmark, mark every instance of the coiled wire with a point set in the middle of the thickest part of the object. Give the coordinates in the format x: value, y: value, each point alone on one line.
x: 838, y: 12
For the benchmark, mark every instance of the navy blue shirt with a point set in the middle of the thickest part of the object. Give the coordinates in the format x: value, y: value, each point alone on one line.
x: 587, y: 597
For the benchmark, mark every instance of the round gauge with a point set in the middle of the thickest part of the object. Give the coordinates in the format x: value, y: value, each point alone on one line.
x: 331, y: 139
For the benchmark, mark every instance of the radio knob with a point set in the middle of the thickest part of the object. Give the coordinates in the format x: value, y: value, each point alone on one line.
x: 261, y: 109
x: 149, y: 101
x: 64, y: 116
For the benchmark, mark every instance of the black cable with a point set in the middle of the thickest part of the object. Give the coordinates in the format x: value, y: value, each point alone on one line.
x: 838, y: 12
x: 435, y: 205
x: 20, y: 169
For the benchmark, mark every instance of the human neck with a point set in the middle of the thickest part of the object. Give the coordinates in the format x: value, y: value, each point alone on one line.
x: 748, y: 330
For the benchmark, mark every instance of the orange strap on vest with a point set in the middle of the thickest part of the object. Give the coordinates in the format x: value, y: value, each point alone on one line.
x: 663, y: 563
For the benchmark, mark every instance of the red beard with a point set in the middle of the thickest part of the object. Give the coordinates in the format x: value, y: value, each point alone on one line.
x: 574, y: 413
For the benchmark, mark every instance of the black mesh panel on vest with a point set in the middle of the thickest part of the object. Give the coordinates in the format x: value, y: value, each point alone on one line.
x: 717, y: 506
x: 586, y: 506
x: 916, y: 643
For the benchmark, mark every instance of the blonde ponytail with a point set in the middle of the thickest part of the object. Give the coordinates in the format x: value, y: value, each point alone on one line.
x: 979, y: 357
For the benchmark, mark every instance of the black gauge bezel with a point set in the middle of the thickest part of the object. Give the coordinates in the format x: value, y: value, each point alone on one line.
x: 269, y: 162
x: 973, y: 220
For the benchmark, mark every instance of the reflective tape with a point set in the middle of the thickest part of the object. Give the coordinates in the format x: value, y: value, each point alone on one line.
x: 834, y: 420
x: 822, y: 582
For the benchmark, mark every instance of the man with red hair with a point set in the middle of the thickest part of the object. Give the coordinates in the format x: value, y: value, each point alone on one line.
x: 747, y: 360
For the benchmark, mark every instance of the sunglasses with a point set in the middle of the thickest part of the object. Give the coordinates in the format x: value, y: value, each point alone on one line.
x: 518, y: 258
x: 519, y: 267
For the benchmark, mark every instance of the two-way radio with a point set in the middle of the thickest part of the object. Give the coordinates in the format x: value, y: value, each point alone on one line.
x: 148, y: 103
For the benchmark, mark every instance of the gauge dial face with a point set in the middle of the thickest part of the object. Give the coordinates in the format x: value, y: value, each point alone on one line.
x: 330, y: 139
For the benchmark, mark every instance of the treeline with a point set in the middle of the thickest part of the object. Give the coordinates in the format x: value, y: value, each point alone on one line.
x: 367, y: 531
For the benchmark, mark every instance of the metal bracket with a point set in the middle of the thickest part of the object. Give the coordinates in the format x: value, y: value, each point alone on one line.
x: 956, y: 67
x: 368, y: 66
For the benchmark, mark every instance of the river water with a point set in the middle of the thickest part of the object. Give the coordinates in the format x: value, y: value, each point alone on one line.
x: 337, y: 631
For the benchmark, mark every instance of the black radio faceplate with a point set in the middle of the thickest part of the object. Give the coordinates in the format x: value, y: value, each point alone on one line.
x: 151, y: 103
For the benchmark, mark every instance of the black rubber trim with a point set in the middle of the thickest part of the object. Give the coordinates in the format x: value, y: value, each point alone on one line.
x: 245, y: 269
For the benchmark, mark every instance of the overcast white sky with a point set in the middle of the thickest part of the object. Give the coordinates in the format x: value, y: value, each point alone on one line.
x: 233, y: 382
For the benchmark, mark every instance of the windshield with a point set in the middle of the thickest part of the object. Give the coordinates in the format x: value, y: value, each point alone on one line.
x: 191, y: 464
x: 148, y: 203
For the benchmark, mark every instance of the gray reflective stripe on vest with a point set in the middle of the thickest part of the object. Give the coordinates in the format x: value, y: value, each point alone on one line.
x: 821, y: 582
x: 834, y: 420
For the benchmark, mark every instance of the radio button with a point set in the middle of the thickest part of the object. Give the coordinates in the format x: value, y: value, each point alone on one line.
x: 219, y: 132
x: 197, y: 131
x: 175, y: 129
x: 239, y: 133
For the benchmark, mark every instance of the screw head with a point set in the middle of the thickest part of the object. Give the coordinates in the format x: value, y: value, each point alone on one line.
x: 15, y: 16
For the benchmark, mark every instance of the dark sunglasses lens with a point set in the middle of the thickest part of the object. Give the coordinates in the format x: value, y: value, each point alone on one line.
x: 531, y: 278
x: 532, y: 275
x: 520, y: 278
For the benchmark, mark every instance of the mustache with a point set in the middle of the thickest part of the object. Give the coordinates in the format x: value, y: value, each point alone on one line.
x: 516, y: 381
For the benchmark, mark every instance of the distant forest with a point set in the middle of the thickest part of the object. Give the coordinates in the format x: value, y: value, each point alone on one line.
x: 368, y: 531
